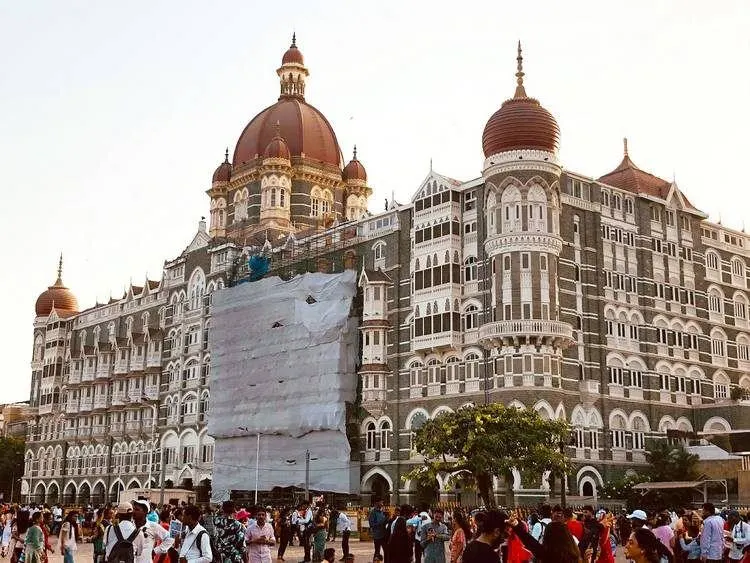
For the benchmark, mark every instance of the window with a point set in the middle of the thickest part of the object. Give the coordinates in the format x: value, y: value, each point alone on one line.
x: 636, y: 378
x: 379, y: 251
x: 721, y: 386
x: 370, y: 436
x: 712, y: 261
x: 525, y: 261
x: 470, y: 269
x: 470, y: 317
x: 715, y: 301
x: 655, y: 213
x: 506, y: 263
x: 717, y: 345
x: 685, y: 222
x: 670, y: 219
x: 738, y: 268
x: 470, y: 200
x: 605, y: 198
x: 617, y: 202
x: 628, y: 205
x: 618, y: 438
x: 543, y: 262
x: 385, y: 428
x: 615, y: 375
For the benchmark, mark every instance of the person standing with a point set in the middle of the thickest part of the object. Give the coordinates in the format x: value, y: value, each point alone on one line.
x: 333, y: 518
x: 120, y: 533
x: 344, y: 526
x: 68, y: 536
x: 712, y: 538
x: 104, y: 522
x: 738, y: 534
x: 230, y: 537
x: 196, y: 547
x: 484, y: 548
x: 377, y: 519
x: 57, y: 518
x: 434, y: 536
x: 303, y: 519
x: 152, y: 533
x: 260, y: 538
x: 399, y: 547
x: 545, y: 518
x: 34, y: 548
x: 285, y: 532
x: 461, y: 535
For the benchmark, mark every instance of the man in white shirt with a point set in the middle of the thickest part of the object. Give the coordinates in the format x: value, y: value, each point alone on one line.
x: 303, y: 518
x: 151, y: 532
x: 196, y: 547
x: 126, y: 527
x: 259, y: 537
x: 57, y: 514
x: 344, y: 525
x: 537, y: 531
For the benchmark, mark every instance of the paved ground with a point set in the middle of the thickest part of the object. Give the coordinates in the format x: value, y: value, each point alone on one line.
x: 362, y: 551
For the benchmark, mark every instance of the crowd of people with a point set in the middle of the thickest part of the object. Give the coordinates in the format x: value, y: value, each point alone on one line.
x: 139, y: 532
x: 553, y: 534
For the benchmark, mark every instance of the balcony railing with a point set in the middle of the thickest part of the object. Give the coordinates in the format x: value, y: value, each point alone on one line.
x: 151, y: 392
x: 71, y: 407
x: 118, y: 399
x: 154, y: 360
x: 88, y: 373
x: 138, y: 363
x: 101, y: 402
x: 133, y: 426
x: 103, y: 370
x: 86, y: 403
x: 121, y: 366
x: 74, y: 377
x: 512, y: 333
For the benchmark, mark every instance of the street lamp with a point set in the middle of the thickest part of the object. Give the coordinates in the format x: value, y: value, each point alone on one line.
x: 257, y: 459
x: 154, y: 415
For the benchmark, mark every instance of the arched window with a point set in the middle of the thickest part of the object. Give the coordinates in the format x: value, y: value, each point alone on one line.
x: 721, y: 386
x: 273, y: 197
x: 617, y: 429
x: 537, y: 203
x: 470, y: 269
x: 416, y: 422
x: 738, y: 268
x: 712, y: 260
x: 740, y: 308
x: 715, y: 300
x: 718, y: 343
x: 385, y: 429
x: 371, y: 436
x: 470, y: 317
x: 282, y: 198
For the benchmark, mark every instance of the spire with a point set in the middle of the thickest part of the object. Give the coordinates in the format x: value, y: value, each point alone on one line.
x: 226, y: 156
x: 59, y: 270
x: 354, y: 156
x: 625, y: 146
x: 520, y: 90
x: 294, y: 40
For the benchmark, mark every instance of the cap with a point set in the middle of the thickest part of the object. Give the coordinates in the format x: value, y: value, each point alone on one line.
x: 124, y: 508
x: 640, y: 514
x: 242, y: 514
x: 143, y: 504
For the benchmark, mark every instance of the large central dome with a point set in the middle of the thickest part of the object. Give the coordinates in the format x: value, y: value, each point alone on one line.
x: 305, y: 130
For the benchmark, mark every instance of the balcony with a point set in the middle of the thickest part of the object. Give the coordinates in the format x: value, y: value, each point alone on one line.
x: 190, y: 419
x: 46, y: 409
x: 99, y: 431
x: 138, y: 363
x: 135, y: 396
x: 86, y: 404
x: 452, y: 339
x: 514, y: 333
x: 88, y: 373
x: 471, y: 385
x: 151, y: 392
x: 153, y: 360
x: 118, y: 399
x: 133, y: 426
x: 523, y: 241
x: 103, y: 370
x: 116, y: 428
x: 173, y: 420
x: 74, y: 377
x: 84, y: 432
x: 72, y: 407
x: 101, y: 402
x: 121, y: 367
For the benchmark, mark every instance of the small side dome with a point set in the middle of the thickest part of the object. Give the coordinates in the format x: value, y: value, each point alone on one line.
x: 277, y: 148
x: 293, y: 55
x: 224, y: 171
x: 354, y: 170
x: 56, y: 296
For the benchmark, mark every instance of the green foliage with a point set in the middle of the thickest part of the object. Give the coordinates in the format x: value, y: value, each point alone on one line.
x: 668, y: 462
x: 11, y: 465
x: 489, y: 440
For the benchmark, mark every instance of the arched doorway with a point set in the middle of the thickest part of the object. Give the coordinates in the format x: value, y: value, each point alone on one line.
x: 69, y: 494
x: 203, y: 491
x: 114, y: 491
x: 39, y: 493
x: 84, y: 494
x: 587, y: 489
x: 377, y: 485
x: 53, y: 493
x: 99, y: 494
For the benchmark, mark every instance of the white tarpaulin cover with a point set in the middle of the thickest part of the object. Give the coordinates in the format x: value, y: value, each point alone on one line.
x: 283, y: 365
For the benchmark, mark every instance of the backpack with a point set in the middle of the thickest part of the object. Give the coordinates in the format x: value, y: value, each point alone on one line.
x: 215, y: 557
x: 122, y: 551
x: 544, y: 529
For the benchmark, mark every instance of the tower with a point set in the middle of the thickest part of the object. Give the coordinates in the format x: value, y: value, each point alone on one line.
x: 356, y: 191
x: 523, y: 244
x: 276, y: 183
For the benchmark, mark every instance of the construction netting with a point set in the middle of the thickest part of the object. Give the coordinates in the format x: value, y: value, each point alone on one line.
x: 283, y: 367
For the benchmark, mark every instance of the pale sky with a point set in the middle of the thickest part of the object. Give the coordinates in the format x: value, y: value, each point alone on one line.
x: 113, y: 115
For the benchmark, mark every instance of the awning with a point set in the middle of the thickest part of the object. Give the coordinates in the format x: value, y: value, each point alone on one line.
x: 668, y: 485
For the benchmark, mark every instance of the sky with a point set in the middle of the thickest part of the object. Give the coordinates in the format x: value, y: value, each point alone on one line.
x: 113, y: 115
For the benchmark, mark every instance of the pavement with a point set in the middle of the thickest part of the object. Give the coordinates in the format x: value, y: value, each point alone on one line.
x: 362, y: 550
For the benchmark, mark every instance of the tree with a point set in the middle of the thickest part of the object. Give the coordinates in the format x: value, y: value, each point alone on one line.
x: 477, y: 443
x: 11, y: 465
x: 670, y: 462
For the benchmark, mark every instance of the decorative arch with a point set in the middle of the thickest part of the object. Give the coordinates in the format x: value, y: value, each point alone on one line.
x: 716, y: 424
x: 544, y: 409
x: 372, y: 473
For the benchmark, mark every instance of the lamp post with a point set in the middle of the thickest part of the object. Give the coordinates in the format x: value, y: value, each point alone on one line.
x: 155, y: 408
x: 308, y: 459
x: 257, y: 459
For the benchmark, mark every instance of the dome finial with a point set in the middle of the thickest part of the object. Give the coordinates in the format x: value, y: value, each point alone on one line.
x: 59, y: 269
x: 625, y: 146
x: 226, y: 155
x: 294, y: 39
x: 520, y: 90
x: 354, y: 157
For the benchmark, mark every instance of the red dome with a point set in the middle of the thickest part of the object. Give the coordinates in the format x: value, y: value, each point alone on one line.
x: 57, y: 296
x: 520, y: 123
x: 354, y: 170
x: 277, y: 148
x: 224, y: 171
x: 306, y: 132
x: 293, y: 55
